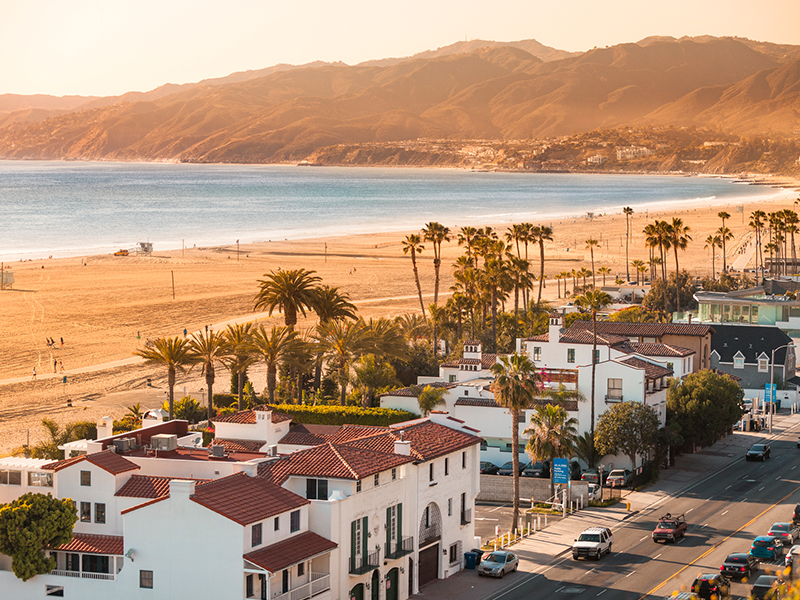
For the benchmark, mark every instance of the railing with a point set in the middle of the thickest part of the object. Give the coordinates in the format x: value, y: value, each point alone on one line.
x: 320, y: 582
x: 431, y: 534
x: 466, y: 516
x: 84, y: 575
x: 400, y: 548
x: 363, y: 564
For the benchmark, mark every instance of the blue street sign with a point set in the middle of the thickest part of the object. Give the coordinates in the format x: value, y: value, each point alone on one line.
x: 560, y: 470
x: 769, y: 397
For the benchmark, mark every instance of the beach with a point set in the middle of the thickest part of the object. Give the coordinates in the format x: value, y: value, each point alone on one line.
x: 105, y: 307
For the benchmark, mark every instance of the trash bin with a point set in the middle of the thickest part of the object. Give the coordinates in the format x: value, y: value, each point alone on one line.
x: 470, y: 559
x: 479, y: 554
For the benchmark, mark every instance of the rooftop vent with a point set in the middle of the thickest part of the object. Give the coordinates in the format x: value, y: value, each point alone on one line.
x: 217, y: 451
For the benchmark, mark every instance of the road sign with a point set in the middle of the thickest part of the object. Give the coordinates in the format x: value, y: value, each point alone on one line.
x: 560, y: 470
x: 769, y: 397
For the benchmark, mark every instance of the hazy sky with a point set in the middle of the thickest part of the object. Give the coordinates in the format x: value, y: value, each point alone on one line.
x: 105, y: 47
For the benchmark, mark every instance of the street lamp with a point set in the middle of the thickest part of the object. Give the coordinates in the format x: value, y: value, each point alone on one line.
x: 772, y: 379
x: 202, y: 396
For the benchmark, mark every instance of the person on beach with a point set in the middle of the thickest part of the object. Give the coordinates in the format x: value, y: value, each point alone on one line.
x: 55, y: 365
x: 62, y: 342
x: 61, y: 366
x: 34, y: 372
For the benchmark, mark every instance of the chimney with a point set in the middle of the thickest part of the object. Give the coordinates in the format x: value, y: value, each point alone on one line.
x: 181, y: 488
x: 402, y: 447
x: 248, y: 468
x: 105, y: 427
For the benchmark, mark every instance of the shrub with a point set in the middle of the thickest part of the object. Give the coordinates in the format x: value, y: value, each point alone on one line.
x: 343, y: 415
x: 189, y: 409
x: 225, y: 400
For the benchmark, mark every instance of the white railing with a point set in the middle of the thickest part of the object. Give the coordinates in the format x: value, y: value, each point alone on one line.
x: 84, y: 575
x: 320, y: 582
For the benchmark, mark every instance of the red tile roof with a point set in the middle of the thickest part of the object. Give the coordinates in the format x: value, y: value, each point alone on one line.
x: 107, y: 460
x: 333, y: 461
x: 413, y: 390
x: 248, y: 417
x: 310, y: 435
x: 353, y: 432
x: 246, y: 499
x: 647, y: 349
x: 148, y: 486
x: 94, y: 544
x: 651, y: 371
x: 645, y: 329
x: 232, y: 445
x: 429, y: 440
x: 290, y: 552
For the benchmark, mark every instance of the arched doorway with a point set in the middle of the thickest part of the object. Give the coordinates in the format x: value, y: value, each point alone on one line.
x: 357, y: 593
x: 375, y: 587
x: 392, y: 584
x: 430, y: 532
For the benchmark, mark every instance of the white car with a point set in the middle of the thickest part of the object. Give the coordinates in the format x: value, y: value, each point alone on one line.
x: 594, y: 491
x: 593, y: 542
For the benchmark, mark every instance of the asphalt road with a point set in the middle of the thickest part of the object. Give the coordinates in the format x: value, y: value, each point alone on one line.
x: 725, y: 511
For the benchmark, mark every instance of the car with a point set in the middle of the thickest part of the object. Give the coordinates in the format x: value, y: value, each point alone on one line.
x: 785, y: 532
x: 498, y: 563
x: 747, y: 404
x: 488, y: 468
x: 766, y: 547
x: 712, y: 585
x: 538, y: 468
x: 592, y: 476
x: 508, y: 468
x: 739, y: 564
x: 796, y: 515
x: 758, y: 452
x: 789, y: 559
x: 669, y: 528
x: 593, y: 542
x: 766, y: 587
x: 619, y: 478
x: 798, y: 442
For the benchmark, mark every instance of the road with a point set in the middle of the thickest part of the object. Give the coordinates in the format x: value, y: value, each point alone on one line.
x: 725, y: 511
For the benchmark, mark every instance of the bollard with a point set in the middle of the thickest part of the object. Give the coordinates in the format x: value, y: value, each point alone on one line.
x: 628, y: 505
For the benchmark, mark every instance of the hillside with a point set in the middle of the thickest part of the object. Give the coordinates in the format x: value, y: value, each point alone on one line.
x: 501, y: 92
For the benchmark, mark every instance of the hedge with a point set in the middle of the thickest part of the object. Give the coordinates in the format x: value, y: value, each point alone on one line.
x: 343, y: 415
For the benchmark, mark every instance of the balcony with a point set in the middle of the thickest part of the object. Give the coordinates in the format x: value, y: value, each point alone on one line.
x: 399, y: 548
x: 466, y: 516
x: 84, y: 574
x: 364, y: 564
x: 320, y: 582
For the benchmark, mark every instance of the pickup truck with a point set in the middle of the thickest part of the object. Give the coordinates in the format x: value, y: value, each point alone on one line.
x: 669, y: 528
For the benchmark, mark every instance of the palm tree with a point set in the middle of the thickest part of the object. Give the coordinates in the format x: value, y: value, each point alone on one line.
x: 553, y: 434
x: 584, y: 449
x: 273, y: 347
x: 429, y: 398
x: 173, y: 353
x: 713, y: 242
x: 239, y: 354
x: 640, y: 267
x: 207, y: 348
x: 413, y: 327
x: 591, y: 244
x: 724, y: 215
x: 757, y: 218
x: 329, y: 304
x: 342, y: 342
x: 466, y: 238
x: 289, y: 291
x: 516, y: 234
x: 628, y: 211
x: 541, y: 234
x: 515, y: 386
x: 593, y: 301
x: 413, y: 245
x: 679, y: 239
x: 604, y: 271
x: 372, y: 373
x: 584, y: 273
x: 436, y: 233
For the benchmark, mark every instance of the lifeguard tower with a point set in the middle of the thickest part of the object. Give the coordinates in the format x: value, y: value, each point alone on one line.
x: 6, y: 279
x: 145, y: 248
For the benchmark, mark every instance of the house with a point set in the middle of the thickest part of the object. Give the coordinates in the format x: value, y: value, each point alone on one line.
x: 746, y: 352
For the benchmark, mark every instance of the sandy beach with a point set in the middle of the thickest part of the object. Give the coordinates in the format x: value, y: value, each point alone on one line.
x: 105, y: 307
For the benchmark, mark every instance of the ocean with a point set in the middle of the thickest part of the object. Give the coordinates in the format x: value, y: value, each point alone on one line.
x: 65, y: 209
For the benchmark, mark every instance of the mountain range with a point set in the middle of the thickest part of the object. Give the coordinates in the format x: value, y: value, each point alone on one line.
x: 469, y: 90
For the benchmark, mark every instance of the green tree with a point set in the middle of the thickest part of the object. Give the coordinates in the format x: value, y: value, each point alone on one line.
x: 629, y: 428
x: 713, y: 242
x: 413, y: 245
x: 174, y: 354
x: 726, y: 235
x: 429, y: 398
x: 342, y: 342
x: 207, y: 348
x: 31, y: 524
x: 239, y: 354
x: 273, y: 346
x: 585, y: 450
x: 553, y: 434
x: 515, y: 386
x: 189, y: 409
x: 591, y: 244
x: 661, y: 296
x: 290, y: 291
x: 540, y: 234
x: 436, y: 233
x: 372, y: 374
x: 628, y: 211
x: 58, y: 436
x: 634, y: 314
x: 705, y: 405
x: 593, y: 301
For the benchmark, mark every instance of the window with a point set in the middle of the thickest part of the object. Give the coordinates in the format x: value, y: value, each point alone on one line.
x: 570, y: 355
x: 464, y: 460
x: 54, y: 590
x: 430, y: 472
x: 73, y: 562
x: 394, y: 473
x: 521, y: 416
x: 449, y: 507
x: 10, y: 477
x: 446, y: 467
x: 376, y: 480
x: 301, y: 569
x: 358, y: 486
x: 249, y: 593
x: 146, y: 580
x: 754, y: 313
x: 86, y: 478
x: 738, y: 362
x: 294, y: 521
x: 317, y: 489
x: 615, y: 389
x: 86, y: 512
x: 255, y: 535
x: 99, y: 512
x: 277, y: 523
x: 452, y: 378
x: 596, y: 356
x: 537, y: 353
x: 453, y: 553
x: 38, y: 479
x: 95, y: 563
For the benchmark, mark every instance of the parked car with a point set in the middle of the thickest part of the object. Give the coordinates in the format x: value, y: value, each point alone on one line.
x: 488, y: 468
x: 593, y: 542
x: 498, y: 563
x: 620, y: 478
x: 766, y: 587
x: 592, y: 476
x: 508, y: 468
x: 758, y: 452
x: 740, y: 565
x: 798, y: 442
x: 766, y: 547
x: 712, y: 585
x: 785, y: 532
x: 796, y: 515
x: 669, y: 528
x: 538, y: 468
x: 789, y: 559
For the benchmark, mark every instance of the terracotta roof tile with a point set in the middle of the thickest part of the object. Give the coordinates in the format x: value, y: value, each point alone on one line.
x: 648, y: 349
x: 585, y: 336
x: 309, y: 435
x: 107, y: 460
x: 94, y: 544
x: 651, y: 371
x: 248, y: 417
x: 354, y: 432
x: 232, y: 445
x: 334, y: 461
x: 542, y: 337
x: 645, y: 329
x: 246, y: 499
x: 488, y: 360
x: 429, y: 440
x: 290, y: 552
x: 148, y: 486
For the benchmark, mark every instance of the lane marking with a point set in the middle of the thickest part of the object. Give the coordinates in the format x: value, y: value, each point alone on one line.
x: 778, y: 477
x: 559, y: 589
x: 723, y: 514
x: 644, y: 538
x: 761, y: 488
x: 703, y: 525
x: 601, y: 592
x: 719, y: 543
x: 743, y: 499
x: 657, y: 555
x: 629, y: 574
x: 729, y: 487
x: 690, y: 510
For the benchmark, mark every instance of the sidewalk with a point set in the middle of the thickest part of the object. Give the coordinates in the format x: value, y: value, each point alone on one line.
x: 544, y: 548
